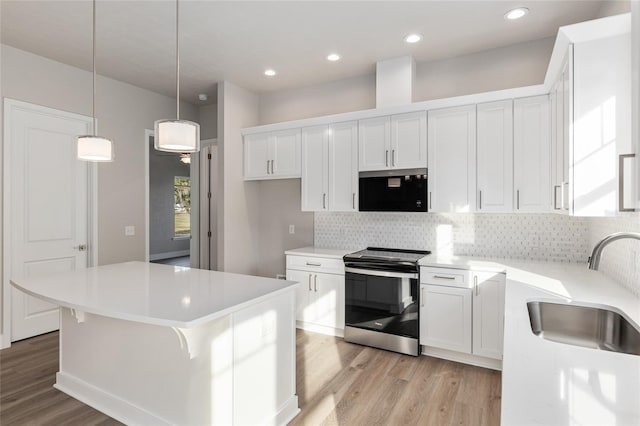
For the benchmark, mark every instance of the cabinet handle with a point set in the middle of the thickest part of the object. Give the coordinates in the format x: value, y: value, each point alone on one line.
x: 475, y: 284
x: 313, y: 264
x: 480, y: 208
x: 563, y: 197
x: 309, y: 282
x: 353, y: 200
x: 621, y: 207
x: 444, y: 277
x: 386, y: 158
x: 267, y: 166
x: 518, y: 199
x: 422, y: 296
x: 315, y: 283
x: 393, y: 157
x: 272, y: 166
x: 430, y: 203
x: 324, y: 201
x: 555, y: 197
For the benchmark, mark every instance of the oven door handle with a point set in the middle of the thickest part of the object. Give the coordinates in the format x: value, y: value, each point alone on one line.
x: 382, y: 273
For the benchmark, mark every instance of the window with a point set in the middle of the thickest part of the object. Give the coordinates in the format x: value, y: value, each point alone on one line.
x: 182, y: 206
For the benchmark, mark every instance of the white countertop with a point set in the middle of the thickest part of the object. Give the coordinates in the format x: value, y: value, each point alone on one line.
x: 319, y: 252
x: 151, y: 293
x: 549, y: 383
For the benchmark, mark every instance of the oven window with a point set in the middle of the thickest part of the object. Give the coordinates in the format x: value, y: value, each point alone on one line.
x: 386, y: 304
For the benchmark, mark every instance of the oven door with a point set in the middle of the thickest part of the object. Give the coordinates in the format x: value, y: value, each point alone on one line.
x: 382, y: 301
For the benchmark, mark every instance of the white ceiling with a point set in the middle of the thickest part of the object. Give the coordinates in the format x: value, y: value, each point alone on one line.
x: 238, y: 40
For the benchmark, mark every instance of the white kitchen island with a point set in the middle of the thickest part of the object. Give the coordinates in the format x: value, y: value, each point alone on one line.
x: 153, y: 344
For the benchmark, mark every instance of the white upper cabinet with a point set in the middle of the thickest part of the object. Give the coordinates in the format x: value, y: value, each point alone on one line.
x: 601, y: 125
x: 393, y: 142
x: 330, y: 167
x: 409, y: 140
x: 315, y: 168
x: 374, y: 143
x: 531, y: 154
x: 343, y: 166
x: 495, y: 156
x: 272, y: 155
x: 452, y: 159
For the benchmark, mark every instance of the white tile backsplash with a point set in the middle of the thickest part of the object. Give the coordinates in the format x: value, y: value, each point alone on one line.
x: 621, y: 259
x: 539, y: 237
x: 544, y: 237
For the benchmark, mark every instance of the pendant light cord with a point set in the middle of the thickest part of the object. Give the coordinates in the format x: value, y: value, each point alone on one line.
x: 95, y: 132
x: 177, y: 60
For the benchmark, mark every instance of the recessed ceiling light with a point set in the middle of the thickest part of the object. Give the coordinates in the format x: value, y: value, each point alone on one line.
x: 516, y: 13
x: 413, y: 38
x: 333, y: 57
x: 270, y: 73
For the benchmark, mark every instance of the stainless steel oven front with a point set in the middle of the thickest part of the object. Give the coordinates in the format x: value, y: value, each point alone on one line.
x: 381, y: 307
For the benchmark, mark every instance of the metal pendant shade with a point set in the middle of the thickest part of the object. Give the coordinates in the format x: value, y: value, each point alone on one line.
x: 93, y: 147
x: 177, y: 135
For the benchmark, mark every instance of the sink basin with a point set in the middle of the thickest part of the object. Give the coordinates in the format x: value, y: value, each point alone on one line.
x: 587, y: 326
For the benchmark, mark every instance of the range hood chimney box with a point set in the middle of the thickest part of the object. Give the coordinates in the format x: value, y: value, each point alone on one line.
x: 394, y: 81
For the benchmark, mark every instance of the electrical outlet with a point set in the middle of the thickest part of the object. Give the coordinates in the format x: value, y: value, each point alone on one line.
x: 292, y: 229
x: 129, y: 230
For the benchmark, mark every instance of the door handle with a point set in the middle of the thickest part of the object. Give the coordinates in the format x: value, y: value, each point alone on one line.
x: 480, y: 208
x: 81, y: 247
x: 315, y: 283
x: 309, y: 282
x: 555, y: 197
x: 324, y: 201
x: 518, y: 199
x: 353, y: 201
x: 386, y: 158
x: 393, y: 157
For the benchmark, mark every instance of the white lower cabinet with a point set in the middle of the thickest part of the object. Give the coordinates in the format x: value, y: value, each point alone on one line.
x: 320, y: 293
x: 462, y: 311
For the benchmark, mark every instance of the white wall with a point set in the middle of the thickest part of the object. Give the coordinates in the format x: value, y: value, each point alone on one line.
x: 238, y: 203
x: 613, y: 7
x: 124, y: 112
x: 208, y: 119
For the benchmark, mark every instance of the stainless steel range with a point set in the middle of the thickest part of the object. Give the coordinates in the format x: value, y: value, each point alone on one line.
x: 381, y: 299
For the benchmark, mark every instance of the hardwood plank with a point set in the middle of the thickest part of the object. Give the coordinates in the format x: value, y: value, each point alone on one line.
x: 337, y: 383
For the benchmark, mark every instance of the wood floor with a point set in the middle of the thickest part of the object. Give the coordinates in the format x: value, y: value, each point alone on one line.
x: 337, y: 383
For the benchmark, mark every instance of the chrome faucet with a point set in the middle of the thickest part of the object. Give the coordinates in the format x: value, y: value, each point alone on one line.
x: 594, y: 260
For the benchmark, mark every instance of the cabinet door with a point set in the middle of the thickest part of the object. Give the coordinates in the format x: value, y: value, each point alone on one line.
x: 566, y: 125
x: 488, y: 314
x: 531, y: 154
x: 374, y: 143
x: 304, y: 306
x: 328, y: 300
x: 256, y: 156
x: 445, y: 317
x: 495, y: 156
x: 343, y: 167
x: 284, y: 150
x: 409, y: 140
x: 315, y: 167
x: 452, y: 159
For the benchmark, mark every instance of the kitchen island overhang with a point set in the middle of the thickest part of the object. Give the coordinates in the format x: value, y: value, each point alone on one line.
x: 158, y: 344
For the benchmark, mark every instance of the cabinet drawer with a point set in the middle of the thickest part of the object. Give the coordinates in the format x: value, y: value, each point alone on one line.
x: 446, y: 277
x: 315, y: 264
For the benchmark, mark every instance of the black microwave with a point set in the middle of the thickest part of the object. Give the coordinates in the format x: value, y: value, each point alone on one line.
x: 393, y: 191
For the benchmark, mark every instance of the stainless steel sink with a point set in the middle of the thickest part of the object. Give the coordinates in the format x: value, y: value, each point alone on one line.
x: 590, y: 327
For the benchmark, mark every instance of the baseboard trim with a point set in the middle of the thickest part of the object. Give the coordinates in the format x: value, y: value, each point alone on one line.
x: 287, y: 411
x: 322, y: 329
x: 169, y: 254
x: 105, y: 402
x: 479, y: 361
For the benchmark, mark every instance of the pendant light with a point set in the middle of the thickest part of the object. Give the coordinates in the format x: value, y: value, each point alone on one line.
x: 177, y: 135
x: 94, y: 147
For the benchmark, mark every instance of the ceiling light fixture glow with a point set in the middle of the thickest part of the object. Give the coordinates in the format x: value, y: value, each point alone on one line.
x: 177, y: 135
x: 333, y: 57
x: 413, y: 38
x: 269, y: 73
x: 516, y: 13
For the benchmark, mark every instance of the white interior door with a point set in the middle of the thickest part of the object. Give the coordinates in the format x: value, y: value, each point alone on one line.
x: 47, y: 206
